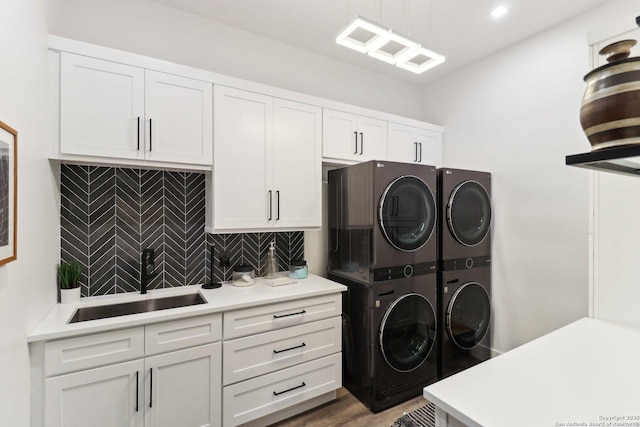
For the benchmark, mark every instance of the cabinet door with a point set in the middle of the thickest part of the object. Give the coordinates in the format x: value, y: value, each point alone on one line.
x: 353, y: 138
x: 340, y: 135
x: 101, y: 105
x: 242, y: 171
x: 297, y: 163
x: 372, y: 134
x: 184, y: 388
x: 430, y: 148
x: 179, y: 116
x: 409, y: 144
x: 403, y: 144
x: 103, y: 397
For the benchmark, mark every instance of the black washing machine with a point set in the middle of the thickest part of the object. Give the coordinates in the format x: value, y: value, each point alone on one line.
x: 465, y: 212
x: 465, y: 319
x: 382, y: 221
x: 390, y: 348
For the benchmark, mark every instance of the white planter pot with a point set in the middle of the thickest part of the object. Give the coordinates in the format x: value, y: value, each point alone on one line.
x: 70, y: 296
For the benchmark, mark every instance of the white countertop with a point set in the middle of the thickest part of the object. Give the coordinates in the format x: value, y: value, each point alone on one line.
x: 228, y: 297
x: 586, y: 372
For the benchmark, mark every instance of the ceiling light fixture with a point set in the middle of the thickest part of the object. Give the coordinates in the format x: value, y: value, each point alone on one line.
x: 382, y: 43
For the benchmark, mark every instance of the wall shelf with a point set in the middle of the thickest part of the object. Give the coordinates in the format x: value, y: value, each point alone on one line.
x: 621, y: 160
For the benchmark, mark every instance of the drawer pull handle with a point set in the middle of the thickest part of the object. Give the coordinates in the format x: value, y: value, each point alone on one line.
x: 288, y: 349
x: 277, y: 393
x: 279, y: 316
x: 150, y: 387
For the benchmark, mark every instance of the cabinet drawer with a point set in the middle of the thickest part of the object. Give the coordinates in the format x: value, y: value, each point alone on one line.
x: 260, y: 354
x: 270, y: 317
x: 269, y: 393
x: 90, y: 351
x: 183, y: 333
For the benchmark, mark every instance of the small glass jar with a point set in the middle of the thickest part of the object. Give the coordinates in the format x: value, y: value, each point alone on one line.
x: 298, y: 269
x: 243, y: 275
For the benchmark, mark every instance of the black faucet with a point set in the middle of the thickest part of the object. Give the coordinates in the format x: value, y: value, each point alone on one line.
x: 148, y: 269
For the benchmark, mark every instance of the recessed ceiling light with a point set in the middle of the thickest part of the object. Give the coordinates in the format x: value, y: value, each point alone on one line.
x: 499, y: 12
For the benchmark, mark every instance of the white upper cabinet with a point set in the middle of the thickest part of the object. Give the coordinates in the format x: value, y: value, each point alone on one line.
x: 297, y: 164
x: 349, y: 137
x: 410, y: 144
x: 179, y: 114
x: 242, y: 173
x: 118, y: 111
x: 267, y: 163
x: 101, y: 108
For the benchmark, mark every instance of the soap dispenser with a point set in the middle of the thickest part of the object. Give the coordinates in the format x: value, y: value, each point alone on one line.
x: 271, y: 263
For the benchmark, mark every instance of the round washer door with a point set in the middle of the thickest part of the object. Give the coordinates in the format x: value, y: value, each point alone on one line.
x: 407, y: 332
x: 407, y: 213
x: 468, y: 315
x: 469, y: 213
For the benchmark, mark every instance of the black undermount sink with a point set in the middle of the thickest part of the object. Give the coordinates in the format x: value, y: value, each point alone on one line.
x: 114, y: 310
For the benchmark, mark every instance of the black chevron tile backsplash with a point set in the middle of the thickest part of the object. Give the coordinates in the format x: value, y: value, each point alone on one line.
x: 109, y: 215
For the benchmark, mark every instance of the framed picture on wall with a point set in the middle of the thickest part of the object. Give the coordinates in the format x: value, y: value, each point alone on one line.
x: 8, y: 192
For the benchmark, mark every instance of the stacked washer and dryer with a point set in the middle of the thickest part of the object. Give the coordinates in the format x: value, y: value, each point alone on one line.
x: 412, y: 246
x: 464, y: 270
x: 382, y: 245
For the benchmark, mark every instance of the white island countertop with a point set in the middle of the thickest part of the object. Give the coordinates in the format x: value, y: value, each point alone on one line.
x: 584, y: 374
x: 55, y: 324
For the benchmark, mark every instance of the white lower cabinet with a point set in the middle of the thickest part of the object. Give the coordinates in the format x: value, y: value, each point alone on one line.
x: 263, y: 353
x: 270, y: 362
x: 278, y: 356
x: 102, y: 397
x: 182, y: 388
x: 175, y: 388
x: 255, y: 398
x: 172, y: 389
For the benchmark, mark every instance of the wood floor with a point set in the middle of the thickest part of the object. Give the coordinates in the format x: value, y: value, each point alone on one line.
x: 347, y: 410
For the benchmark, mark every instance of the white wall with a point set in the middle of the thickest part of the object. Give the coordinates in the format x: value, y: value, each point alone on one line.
x: 515, y: 114
x: 159, y: 31
x: 27, y: 285
x: 616, y: 229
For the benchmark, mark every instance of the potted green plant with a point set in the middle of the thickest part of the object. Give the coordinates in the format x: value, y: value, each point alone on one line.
x: 69, y: 275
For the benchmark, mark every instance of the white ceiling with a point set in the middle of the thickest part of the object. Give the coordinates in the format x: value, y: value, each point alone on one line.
x: 462, y: 30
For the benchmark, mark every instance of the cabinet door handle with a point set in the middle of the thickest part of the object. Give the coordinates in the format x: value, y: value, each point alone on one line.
x: 420, y: 143
x: 289, y: 349
x: 138, y: 133
x: 355, y: 136
x: 150, y: 135
x: 361, y: 142
x: 277, y: 205
x: 277, y: 393
x: 270, y: 205
x: 280, y: 316
x: 137, y: 390
x: 150, y: 387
